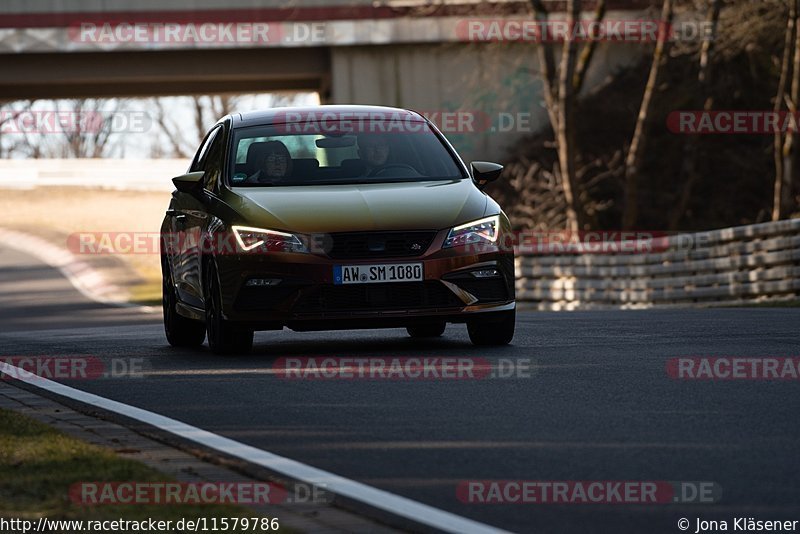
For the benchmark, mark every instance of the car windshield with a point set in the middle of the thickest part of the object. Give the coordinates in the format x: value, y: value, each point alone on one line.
x: 339, y: 152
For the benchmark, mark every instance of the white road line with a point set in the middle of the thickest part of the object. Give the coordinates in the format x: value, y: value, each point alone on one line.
x: 393, y: 504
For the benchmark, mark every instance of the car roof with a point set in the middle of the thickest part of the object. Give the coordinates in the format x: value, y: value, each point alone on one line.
x: 296, y: 114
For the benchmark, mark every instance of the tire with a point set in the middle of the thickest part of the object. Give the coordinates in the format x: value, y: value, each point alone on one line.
x: 180, y: 331
x: 223, y: 337
x: 491, y: 332
x: 426, y: 330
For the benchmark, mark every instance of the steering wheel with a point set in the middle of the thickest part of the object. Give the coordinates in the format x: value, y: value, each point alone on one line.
x: 380, y: 170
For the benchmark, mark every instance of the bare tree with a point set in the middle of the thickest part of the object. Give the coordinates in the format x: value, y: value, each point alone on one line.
x: 690, y: 148
x: 93, y: 139
x: 739, y: 54
x: 10, y: 113
x: 560, y: 88
x: 785, y: 145
x: 565, y: 128
x: 78, y: 128
x: 173, y: 134
x: 637, y: 147
x: 204, y: 111
x: 182, y: 141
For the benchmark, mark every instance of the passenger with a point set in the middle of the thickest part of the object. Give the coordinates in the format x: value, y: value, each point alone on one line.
x: 274, y: 164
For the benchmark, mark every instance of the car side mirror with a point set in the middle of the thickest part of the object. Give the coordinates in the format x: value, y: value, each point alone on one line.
x: 188, y: 183
x: 484, y: 172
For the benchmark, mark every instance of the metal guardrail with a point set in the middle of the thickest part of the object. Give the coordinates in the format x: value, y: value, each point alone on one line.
x: 745, y: 264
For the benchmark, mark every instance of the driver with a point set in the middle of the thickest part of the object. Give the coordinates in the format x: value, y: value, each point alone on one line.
x: 274, y: 164
x: 373, y: 150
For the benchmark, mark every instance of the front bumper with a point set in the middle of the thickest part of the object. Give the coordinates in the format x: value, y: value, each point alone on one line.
x: 307, y: 299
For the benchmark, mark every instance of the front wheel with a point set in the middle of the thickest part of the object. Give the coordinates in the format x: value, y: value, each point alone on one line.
x: 180, y: 331
x: 489, y: 331
x: 223, y: 336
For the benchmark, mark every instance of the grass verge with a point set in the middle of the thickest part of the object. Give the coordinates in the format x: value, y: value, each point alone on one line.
x: 39, y: 464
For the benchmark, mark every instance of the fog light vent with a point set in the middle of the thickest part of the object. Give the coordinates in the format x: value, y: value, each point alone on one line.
x: 263, y: 282
x: 485, y: 273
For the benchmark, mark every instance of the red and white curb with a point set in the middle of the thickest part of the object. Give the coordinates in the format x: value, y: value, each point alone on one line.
x: 86, y: 279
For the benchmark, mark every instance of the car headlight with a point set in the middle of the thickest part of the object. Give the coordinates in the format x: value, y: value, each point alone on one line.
x: 481, y: 231
x: 262, y: 240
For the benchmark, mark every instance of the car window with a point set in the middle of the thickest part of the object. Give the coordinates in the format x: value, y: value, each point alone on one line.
x: 339, y: 152
x: 199, y: 160
x: 214, y: 162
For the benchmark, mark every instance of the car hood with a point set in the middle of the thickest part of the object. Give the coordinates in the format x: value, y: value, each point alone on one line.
x: 431, y: 205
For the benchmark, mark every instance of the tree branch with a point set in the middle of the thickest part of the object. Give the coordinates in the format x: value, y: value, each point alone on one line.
x: 589, y: 48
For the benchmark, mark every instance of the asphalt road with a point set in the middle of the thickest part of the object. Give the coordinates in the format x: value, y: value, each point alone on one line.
x: 599, y: 404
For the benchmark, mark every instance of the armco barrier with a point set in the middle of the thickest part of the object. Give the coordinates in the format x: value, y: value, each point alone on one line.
x: 745, y: 264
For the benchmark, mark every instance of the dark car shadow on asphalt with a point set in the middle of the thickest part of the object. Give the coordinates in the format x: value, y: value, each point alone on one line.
x: 348, y: 343
x: 287, y: 345
x: 269, y: 347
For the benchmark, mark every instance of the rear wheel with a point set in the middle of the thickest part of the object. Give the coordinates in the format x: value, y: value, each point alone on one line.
x: 223, y: 336
x: 426, y: 330
x: 180, y: 331
x: 489, y: 331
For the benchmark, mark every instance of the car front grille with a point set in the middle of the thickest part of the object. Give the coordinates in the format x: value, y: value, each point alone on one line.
x: 390, y: 296
x: 366, y: 245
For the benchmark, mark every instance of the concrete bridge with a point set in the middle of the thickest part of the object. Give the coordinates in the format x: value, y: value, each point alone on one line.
x: 398, y: 53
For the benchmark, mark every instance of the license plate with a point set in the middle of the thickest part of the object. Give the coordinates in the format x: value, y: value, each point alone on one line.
x: 377, y: 273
